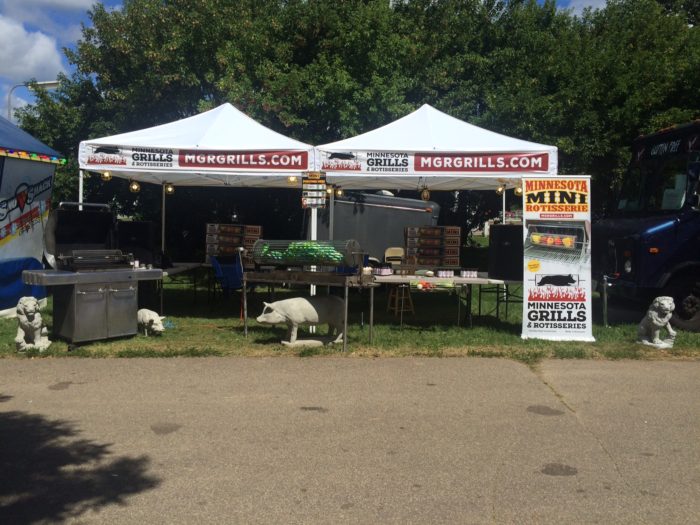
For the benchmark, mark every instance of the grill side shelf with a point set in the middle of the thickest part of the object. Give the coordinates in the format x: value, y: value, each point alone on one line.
x: 64, y: 277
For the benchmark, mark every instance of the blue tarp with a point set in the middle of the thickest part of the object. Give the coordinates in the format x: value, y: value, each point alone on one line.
x: 12, y: 137
x: 11, y: 285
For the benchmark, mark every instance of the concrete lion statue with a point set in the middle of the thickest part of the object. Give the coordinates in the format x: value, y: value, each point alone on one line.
x: 31, y: 332
x: 657, y: 317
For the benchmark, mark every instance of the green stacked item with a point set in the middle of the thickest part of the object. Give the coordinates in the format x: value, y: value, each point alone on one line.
x: 300, y: 252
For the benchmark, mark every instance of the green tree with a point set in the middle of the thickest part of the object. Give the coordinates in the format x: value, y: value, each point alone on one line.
x: 320, y: 71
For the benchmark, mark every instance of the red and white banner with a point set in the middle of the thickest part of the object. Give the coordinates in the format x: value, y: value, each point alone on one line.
x: 392, y: 163
x: 557, y: 259
x: 105, y: 157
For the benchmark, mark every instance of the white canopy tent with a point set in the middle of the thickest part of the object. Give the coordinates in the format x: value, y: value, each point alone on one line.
x: 430, y: 149
x: 220, y: 147
x: 224, y: 147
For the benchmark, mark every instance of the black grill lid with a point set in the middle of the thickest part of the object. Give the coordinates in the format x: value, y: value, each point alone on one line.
x: 69, y: 228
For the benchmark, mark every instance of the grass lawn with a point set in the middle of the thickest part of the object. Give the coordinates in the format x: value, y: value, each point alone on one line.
x: 205, y: 326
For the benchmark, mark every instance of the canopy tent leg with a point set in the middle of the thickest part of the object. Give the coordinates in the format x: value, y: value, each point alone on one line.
x: 314, y: 236
x: 504, y: 205
x: 162, y: 221
x: 331, y: 214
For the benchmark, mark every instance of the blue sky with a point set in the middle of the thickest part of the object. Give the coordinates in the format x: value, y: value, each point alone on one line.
x: 34, y: 32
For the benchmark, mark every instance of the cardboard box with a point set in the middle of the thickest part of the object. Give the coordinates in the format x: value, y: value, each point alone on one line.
x: 451, y: 241
x: 253, y: 231
x: 217, y: 238
x: 229, y: 229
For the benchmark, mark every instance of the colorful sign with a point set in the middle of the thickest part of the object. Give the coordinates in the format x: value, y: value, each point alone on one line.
x: 25, y: 199
x: 391, y: 163
x: 557, y: 259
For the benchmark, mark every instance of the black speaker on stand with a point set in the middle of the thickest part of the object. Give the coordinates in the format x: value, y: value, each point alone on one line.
x: 506, y: 252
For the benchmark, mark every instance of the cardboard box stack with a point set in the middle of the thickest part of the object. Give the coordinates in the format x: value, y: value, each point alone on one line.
x: 224, y: 240
x: 433, y: 245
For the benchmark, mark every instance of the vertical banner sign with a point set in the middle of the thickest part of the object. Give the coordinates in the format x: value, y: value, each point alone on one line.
x: 557, y: 259
x: 313, y: 190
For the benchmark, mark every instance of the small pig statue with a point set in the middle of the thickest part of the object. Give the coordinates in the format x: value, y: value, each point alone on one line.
x: 150, y: 322
x: 305, y: 310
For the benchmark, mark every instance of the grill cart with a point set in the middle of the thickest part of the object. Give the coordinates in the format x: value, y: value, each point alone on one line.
x: 95, y: 287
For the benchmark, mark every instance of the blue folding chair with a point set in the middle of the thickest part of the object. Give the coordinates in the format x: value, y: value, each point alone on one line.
x: 227, y: 277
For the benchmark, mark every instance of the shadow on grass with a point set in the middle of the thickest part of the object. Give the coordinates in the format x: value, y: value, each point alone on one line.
x: 182, y: 302
x: 50, y: 475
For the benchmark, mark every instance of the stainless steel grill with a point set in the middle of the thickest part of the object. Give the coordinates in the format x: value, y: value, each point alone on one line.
x: 565, y: 242
x: 94, y: 287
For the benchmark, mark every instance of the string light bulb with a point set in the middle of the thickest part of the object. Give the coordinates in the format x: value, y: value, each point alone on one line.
x: 425, y: 194
x: 106, y: 176
x: 500, y: 189
x: 518, y: 190
x: 292, y: 179
x: 169, y: 188
x: 339, y: 192
x: 134, y: 186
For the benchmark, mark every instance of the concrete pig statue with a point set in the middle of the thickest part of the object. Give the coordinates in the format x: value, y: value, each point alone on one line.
x: 149, y: 322
x: 305, y: 311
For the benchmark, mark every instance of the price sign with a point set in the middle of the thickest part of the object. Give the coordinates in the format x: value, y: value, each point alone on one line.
x: 313, y: 190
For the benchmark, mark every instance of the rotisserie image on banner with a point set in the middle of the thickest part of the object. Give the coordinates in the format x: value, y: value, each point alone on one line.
x: 565, y: 242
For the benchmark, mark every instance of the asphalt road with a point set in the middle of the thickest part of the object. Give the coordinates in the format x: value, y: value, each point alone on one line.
x: 326, y: 440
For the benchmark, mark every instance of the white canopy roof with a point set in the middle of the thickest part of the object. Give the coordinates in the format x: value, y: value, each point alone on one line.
x: 428, y: 148
x: 222, y: 146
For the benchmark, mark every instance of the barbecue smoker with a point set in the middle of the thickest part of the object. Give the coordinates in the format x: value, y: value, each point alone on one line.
x: 95, y: 287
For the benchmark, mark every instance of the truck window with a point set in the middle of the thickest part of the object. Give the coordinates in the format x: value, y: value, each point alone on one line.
x: 672, y: 187
x: 654, y: 187
x: 631, y: 192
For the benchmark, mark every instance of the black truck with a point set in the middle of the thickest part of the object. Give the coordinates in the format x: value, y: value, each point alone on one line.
x: 649, y: 244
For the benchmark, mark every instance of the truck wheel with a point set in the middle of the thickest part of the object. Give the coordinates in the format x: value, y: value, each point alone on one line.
x: 687, y: 313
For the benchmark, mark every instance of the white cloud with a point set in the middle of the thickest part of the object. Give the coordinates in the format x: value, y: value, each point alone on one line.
x: 25, y: 55
x: 577, y: 6
x: 53, y: 4
x: 58, y: 18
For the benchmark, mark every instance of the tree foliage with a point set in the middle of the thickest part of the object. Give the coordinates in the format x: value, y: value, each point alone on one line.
x: 320, y: 71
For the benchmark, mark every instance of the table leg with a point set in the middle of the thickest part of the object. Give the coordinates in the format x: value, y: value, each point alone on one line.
x: 245, y: 307
x: 498, y: 302
x: 479, y: 300
x: 459, y: 303
x: 371, y: 314
x: 469, y: 305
